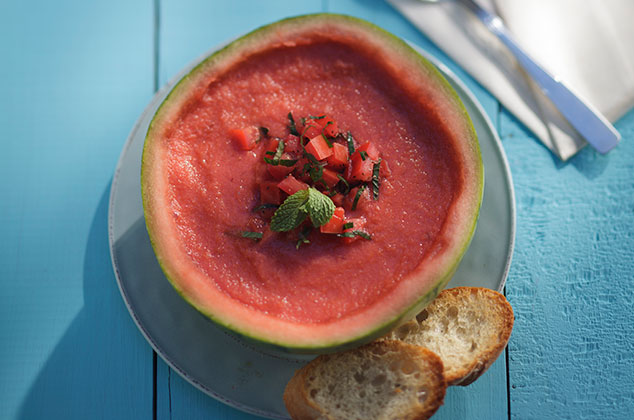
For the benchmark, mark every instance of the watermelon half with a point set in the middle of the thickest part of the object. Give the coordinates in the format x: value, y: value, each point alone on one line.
x: 325, y: 296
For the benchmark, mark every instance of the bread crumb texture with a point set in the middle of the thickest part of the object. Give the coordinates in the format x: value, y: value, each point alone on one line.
x: 467, y: 327
x: 384, y: 380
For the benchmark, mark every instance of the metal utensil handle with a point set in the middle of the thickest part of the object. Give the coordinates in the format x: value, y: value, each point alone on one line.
x: 582, y: 116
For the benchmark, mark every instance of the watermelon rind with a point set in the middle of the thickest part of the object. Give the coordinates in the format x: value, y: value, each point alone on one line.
x: 464, y: 219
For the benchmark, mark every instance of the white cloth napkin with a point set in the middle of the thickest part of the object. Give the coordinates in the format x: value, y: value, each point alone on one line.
x: 588, y: 44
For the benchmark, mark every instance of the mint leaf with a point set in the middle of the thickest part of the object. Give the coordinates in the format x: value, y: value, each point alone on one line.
x: 291, y: 213
x: 320, y: 207
x: 302, y: 204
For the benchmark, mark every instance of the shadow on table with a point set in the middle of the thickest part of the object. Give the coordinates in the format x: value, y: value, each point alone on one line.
x: 589, y: 163
x: 101, y: 367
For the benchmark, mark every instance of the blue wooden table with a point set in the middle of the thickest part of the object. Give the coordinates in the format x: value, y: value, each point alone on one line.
x: 74, y: 76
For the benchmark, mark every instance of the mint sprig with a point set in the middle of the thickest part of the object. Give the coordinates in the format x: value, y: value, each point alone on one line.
x: 297, y: 207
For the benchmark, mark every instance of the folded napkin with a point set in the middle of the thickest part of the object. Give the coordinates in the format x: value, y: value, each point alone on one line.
x: 587, y: 44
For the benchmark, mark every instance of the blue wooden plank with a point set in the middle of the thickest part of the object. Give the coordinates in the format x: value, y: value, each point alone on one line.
x: 572, y: 351
x: 74, y: 77
x: 178, y: 399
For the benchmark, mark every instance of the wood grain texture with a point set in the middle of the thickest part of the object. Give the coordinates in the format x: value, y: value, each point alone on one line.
x: 74, y: 76
x: 572, y: 350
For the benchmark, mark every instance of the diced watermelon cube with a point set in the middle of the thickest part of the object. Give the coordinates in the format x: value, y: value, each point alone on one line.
x: 290, y: 185
x: 339, y: 157
x: 312, y: 127
x: 330, y: 177
x: 291, y: 144
x: 359, y: 170
x: 319, y: 148
x: 245, y: 138
x: 335, y: 224
x: 370, y: 149
x: 329, y: 126
x: 338, y: 199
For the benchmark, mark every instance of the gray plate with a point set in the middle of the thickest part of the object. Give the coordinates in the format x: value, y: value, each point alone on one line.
x: 217, y: 363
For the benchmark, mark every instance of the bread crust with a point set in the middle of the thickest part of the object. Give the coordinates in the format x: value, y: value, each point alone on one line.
x: 489, y: 304
x: 497, y: 317
x: 301, y: 406
x: 296, y: 399
x: 505, y: 319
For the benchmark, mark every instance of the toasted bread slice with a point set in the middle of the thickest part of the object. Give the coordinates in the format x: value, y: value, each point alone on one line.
x: 468, y: 327
x: 382, y: 380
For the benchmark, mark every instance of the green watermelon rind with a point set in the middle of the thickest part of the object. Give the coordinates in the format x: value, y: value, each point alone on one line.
x: 391, y: 41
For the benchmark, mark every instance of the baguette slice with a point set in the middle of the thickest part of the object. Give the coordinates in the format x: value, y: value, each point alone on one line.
x: 468, y: 327
x: 382, y: 380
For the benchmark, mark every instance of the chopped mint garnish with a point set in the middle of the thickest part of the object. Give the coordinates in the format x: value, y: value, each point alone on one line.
x: 291, y: 125
x: 357, y: 196
x: 345, y: 183
x: 328, y: 142
x: 287, y: 162
x: 350, y: 141
x: 323, y: 134
x: 256, y: 236
x: 314, y: 167
x: 266, y: 206
x: 303, y: 237
x: 306, y: 127
x: 376, y: 181
x: 354, y: 233
x: 277, y: 156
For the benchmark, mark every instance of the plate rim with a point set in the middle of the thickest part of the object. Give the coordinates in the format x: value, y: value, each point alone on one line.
x: 159, y: 96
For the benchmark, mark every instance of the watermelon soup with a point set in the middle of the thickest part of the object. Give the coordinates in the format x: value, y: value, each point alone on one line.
x: 236, y: 147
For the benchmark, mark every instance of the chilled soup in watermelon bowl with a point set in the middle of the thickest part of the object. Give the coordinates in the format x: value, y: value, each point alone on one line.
x: 312, y: 184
